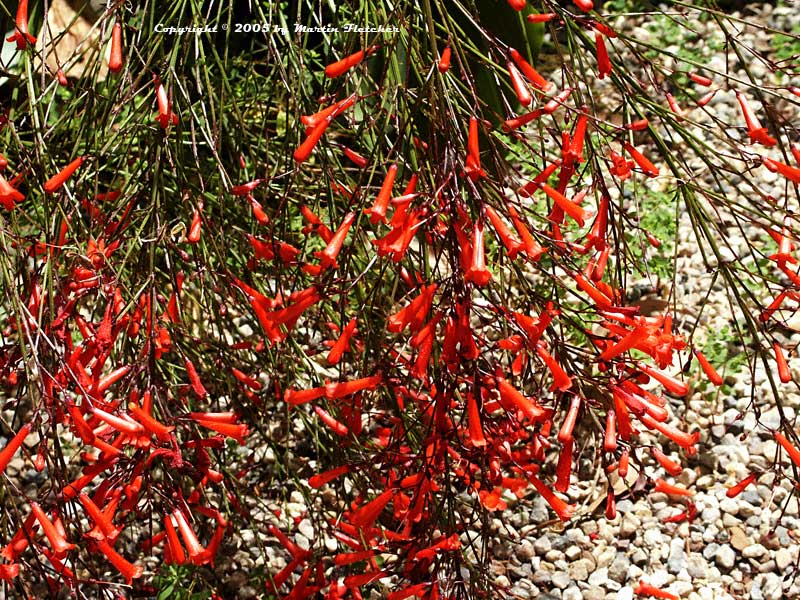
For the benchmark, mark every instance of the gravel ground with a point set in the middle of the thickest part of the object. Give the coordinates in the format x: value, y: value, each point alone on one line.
x: 745, y: 547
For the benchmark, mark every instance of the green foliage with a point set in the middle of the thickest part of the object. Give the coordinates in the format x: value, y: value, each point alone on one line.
x: 181, y: 582
x: 658, y: 216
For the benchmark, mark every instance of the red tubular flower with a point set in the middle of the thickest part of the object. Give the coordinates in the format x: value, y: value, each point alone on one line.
x: 603, y: 61
x: 378, y: 210
x: 532, y: 249
x: 564, y: 466
x: 194, y: 379
x: 173, y: 542
x: 345, y: 64
x: 473, y: 168
x: 56, y: 539
x: 755, y: 131
x: 21, y: 35
x: 366, y: 516
x: 541, y: 17
x: 557, y: 101
x: 165, y: 114
x: 673, y: 106
x: 342, y: 343
x: 512, y: 245
x: 700, y: 79
x: 415, y: 312
x: 105, y: 526
x: 533, y: 76
x: 334, y: 425
x: 685, y: 440
x: 672, y: 490
x: 305, y: 149
x: 236, y: 431
x: 584, y: 5
x: 478, y: 273
x: 562, y: 509
x: 645, y: 589
x: 670, y: 466
x: 517, y: 5
x: 196, y: 227
x: 610, y: 437
x: 296, y: 397
x: 475, y: 429
x: 672, y: 385
x: 568, y: 206
x: 328, y: 256
x: 7, y: 453
x: 56, y: 181
x: 575, y: 148
x: 510, y: 396
x: 244, y: 189
x: 317, y: 481
x: 632, y: 340
x: 520, y: 89
x: 9, y: 572
x: 355, y: 157
x: 611, y: 504
x: 115, y: 57
x: 334, y: 391
x: 118, y: 423
x: 565, y: 433
x: 161, y: 431
x: 705, y: 99
x: 791, y: 173
x: 739, y: 487
x: 529, y: 188
x: 444, y: 61
x: 791, y: 450
x: 708, y: 368
x: 645, y: 165
x: 193, y: 545
x: 783, y: 367
x: 128, y: 570
x: 515, y: 123
x: 599, y: 298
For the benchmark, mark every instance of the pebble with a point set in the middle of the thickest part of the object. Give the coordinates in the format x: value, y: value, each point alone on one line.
x: 725, y: 557
x: 579, y: 570
x: 560, y: 579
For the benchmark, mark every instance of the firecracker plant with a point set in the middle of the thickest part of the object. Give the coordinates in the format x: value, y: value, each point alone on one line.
x: 387, y: 271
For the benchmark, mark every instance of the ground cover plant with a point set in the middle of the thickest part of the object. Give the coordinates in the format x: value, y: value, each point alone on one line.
x: 403, y: 277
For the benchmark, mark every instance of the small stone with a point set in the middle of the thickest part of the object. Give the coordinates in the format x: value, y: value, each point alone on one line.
x: 677, y: 556
x: 560, y: 579
x: 783, y: 558
x: 730, y: 506
x: 572, y: 552
x: 625, y: 593
x: 618, y: 570
x: 579, y: 570
x: 599, y: 577
x: 571, y: 593
x: 306, y: 528
x: 525, y: 551
x: 629, y: 525
x: 554, y: 555
x: 697, y: 567
x: 772, y: 587
x: 739, y: 539
x: 542, y: 545
x: 639, y: 557
x: 754, y: 551
x: 594, y: 593
x: 725, y: 557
